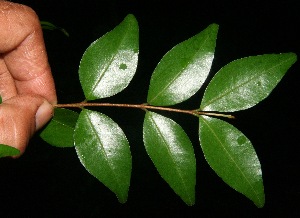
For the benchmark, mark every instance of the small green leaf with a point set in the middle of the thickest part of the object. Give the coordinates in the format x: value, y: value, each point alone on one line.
x: 0, y: 99
x: 109, y: 63
x: 243, y: 83
x: 104, y: 151
x: 7, y: 151
x: 172, y: 154
x: 60, y: 130
x: 50, y: 26
x: 183, y: 70
x: 232, y: 156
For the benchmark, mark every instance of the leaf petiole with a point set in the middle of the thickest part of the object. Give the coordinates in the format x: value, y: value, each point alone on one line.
x: 144, y: 107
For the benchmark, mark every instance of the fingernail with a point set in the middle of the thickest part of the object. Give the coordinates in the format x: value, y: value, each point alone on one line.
x: 43, y: 115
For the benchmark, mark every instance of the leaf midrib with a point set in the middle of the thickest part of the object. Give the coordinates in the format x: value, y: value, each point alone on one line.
x: 228, y: 91
x: 180, y: 72
x: 170, y: 154
x: 104, y: 153
x: 108, y: 63
x: 64, y: 124
x: 231, y: 158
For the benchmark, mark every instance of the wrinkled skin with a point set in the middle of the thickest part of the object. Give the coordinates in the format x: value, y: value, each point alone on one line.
x: 26, y: 84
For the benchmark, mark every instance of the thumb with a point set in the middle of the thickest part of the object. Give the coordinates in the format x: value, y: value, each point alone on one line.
x: 21, y: 117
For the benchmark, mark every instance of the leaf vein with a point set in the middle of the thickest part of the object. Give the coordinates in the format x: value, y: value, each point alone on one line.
x: 178, y: 74
x: 226, y: 92
x: 110, y: 164
x: 101, y: 74
x: 231, y: 158
x: 170, y: 154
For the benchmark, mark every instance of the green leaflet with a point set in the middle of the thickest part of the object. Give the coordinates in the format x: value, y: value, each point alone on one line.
x: 104, y: 151
x: 109, y: 63
x: 172, y: 154
x: 7, y: 151
x: 232, y: 156
x: 0, y: 99
x: 243, y: 83
x: 60, y: 130
x: 183, y: 70
x: 50, y: 26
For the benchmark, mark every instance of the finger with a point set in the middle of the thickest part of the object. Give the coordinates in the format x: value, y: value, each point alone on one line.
x: 7, y: 84
x: 21, y: 117
x: 24, y: 51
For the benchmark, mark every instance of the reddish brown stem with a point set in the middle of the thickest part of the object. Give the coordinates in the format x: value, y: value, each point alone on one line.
x: 144, y: 107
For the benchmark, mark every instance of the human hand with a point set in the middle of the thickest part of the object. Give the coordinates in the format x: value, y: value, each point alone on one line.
x: 26, y: 84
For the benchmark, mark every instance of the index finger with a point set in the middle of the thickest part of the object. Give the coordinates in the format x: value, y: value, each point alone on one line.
x: 23, y: 50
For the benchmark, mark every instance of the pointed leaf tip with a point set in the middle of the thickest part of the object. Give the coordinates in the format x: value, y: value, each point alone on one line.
x: 245, y: 82
x: 109, y: 64
x: 232, y: 156
x: 183, y: 70
x: 172, y: 153
x: 104, y: 151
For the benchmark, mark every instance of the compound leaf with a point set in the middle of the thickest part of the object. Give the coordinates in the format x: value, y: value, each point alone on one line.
x: 172, y: 153
x: 7, y: 151
x: 109, y: 63
x: 232, y: 156
x: 183, y: 70
x: 60, y: 130
x: 104, y: 151
x: 243, y: 83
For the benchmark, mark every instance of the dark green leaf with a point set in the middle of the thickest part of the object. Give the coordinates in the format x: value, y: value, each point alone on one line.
x: 172, y: 154
x: 0, y: 99
x: 183, y: 70
x: 109, y: 63
x: 232, y: 156
x: 60, y: 130
x: 104, y: 151
x: 50, y: 26
x: 7, y: 151
x: 243, y: 83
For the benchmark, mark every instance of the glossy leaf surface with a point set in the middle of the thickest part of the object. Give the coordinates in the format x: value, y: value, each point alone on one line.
x: 109, y: 63
x: 172, y: 154
x: 232, y: 156
x: 243, y: 83
x: 104, y: 151
x: 8, y: 151
x: 60, y: 130
x: 183, y: 70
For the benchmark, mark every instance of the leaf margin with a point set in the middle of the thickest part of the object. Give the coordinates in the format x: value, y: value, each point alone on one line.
x: 215, y: 82
x: 130, y: 22
x: 121, y: 194
x: 260, y: 201
x: 163, y: 95
x: 8, y: 151
x: 55, y: 122
x: 186, y: 177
